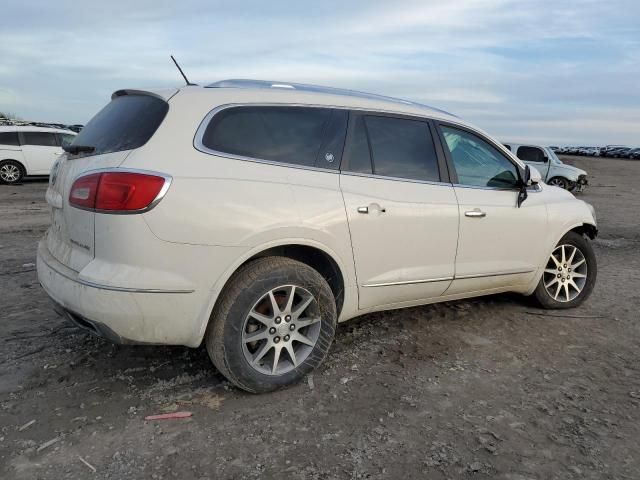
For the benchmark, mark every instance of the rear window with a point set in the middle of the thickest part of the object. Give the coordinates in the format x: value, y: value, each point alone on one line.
x: 9, y: 138
x: 292, y: 135
x: 127, y: 122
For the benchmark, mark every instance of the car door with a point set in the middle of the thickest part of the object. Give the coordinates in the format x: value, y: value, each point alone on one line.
x: 499, y: 244
x: 536, y: 157
x: 401, y: 209
x: 40, y: 150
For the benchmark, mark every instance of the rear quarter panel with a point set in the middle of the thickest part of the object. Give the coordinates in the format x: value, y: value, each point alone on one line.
x: 225, y: 202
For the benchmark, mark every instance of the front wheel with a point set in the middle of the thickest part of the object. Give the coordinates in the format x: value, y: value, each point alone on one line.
x: 559, y: 182
x: 274, y: 324
x: 569, y: 275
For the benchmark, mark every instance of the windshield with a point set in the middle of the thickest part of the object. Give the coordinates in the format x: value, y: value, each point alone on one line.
x: 554, y: 158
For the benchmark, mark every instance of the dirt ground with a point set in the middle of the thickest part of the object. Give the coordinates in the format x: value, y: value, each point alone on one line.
x: 486, y: 388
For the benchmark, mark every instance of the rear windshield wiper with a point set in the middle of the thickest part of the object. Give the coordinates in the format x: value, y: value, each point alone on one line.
x: 76, y: 149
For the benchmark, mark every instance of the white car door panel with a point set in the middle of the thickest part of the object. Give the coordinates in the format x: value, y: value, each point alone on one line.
x: 40, y: 151
x: 404, y: 243
x: 499, y: 244
x: 403, y: 219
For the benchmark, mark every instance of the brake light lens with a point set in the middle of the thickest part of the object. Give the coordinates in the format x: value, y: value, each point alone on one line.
x: 116, y: 192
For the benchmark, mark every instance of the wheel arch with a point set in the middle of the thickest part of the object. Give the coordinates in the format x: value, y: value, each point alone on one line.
x: 311, y: 253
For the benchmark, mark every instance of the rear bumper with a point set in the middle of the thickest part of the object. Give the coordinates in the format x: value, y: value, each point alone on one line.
x: 122, y: 315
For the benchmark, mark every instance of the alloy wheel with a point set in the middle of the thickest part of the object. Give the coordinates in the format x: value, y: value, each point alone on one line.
x: 10, y: 173
x: 558, y: 182
x: 281, y: 330
x: 566, y: 273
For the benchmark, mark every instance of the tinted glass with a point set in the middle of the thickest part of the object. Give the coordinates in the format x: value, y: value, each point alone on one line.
x: 402, y: 148
x: 44, y: 139
x: 531, y: 154
x: 356, y: 156
x: 282, y: 134
x: 127, y: 122
x: 477, y: 162
x: 9, y: 138
x: 330, y: 153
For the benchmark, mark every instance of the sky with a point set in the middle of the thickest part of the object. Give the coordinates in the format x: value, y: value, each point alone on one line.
x: 551, y: 72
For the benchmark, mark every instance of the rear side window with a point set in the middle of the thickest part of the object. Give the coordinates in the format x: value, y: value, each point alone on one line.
x: 43, y: 139
x: 9, y: 138
x: 127, y: 122
x: 392, y: 147
x: 307, y: 136
x: 531, y: 154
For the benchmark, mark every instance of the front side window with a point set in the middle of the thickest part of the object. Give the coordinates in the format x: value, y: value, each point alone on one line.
x: 43, y: 139
x: 392, y: 147
x: 292, y: 135
x: 531, y: 154
x: 477, y: 162
x: 9, y: 138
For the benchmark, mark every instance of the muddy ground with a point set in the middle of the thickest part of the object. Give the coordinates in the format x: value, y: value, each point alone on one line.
x: 486, y: 388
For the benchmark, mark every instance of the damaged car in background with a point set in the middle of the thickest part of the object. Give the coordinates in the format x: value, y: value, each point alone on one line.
x: 553, y: 171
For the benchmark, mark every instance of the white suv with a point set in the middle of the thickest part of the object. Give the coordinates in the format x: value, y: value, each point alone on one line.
x: 255, y: 216
x: 30, y: 150
x: 551, y: 168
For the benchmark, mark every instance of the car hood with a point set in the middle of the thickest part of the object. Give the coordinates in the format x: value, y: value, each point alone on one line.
x: 569, y: 171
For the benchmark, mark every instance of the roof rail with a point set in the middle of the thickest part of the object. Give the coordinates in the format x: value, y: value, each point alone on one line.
x: 9, y: 122
x: 266, y: 84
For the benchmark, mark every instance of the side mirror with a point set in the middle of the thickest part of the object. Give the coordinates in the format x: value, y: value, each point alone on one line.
x: 533, y: 176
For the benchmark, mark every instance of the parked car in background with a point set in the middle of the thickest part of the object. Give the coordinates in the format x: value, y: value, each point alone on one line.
x: 254, y: 216
x: 553, y: 171
x: 634, y: 153
x: 608, y: 149
x: 29, y: 150
x: 620, y: 152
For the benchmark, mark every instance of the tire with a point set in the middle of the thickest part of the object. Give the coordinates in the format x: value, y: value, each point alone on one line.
x: 559, y: 182
x: 565, y: 294
x: 245, y: 308
x: 11, y: 172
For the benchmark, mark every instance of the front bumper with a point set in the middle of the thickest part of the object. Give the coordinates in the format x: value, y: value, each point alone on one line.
x: 120, y: 315
x: 581, y: 183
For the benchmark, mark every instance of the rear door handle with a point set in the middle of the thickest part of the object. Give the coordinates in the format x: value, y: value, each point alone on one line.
x: 475, y: 213
x: 373, y: 206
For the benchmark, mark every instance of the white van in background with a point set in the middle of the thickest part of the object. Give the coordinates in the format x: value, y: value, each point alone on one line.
x: 553, y: 171
x: 29, y: 150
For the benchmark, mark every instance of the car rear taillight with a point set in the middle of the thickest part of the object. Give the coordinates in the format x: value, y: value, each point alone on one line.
x: 117, y: 192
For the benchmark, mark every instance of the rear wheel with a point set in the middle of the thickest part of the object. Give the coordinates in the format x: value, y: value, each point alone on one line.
x: 569, y: 275
x: 559, y: 182
x: 273, y: 325
x: 11, y: 171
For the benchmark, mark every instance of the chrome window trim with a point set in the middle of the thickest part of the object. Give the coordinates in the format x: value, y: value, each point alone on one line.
x: 168, y: 180
x: 199, y: 145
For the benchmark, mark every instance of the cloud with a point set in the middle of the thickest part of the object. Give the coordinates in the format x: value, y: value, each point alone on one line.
x: 519, y: 68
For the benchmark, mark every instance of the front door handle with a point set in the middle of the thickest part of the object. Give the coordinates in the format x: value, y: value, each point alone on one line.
x: 363, y: 209
x: 475, y: 213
